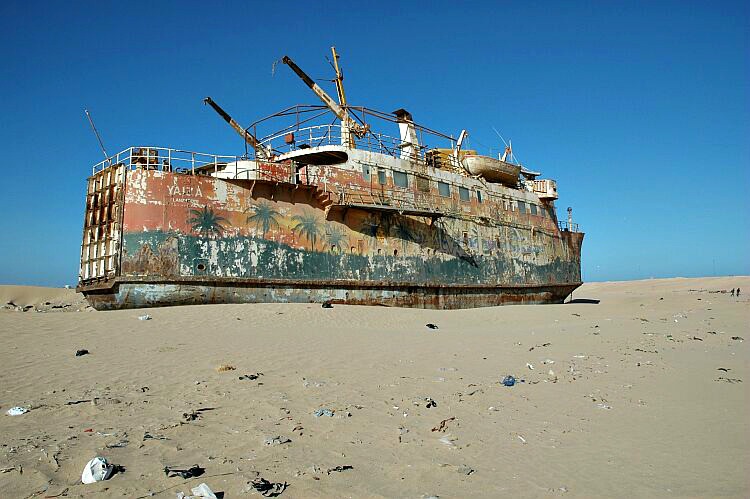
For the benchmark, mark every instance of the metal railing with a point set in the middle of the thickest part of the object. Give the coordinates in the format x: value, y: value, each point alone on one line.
x: 166, y: 159
x: 324, y: 135
x: 567, y: 226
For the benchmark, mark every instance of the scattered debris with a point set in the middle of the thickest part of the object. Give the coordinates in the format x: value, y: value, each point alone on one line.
x: 16, y: 411
x: 738, y: 338
x: 696, y: 338
x: 327, y: 305
x: 202, y: 491
x: 523, y: 440
x: 193, y: 471
x: 447, y: 440
x: 539, y: 346
x: 101, y: 401
x: 144, y: 317
x: 323, y: 412
x: 724, y: 369
x: 509, y: 381
x: 465, y: 470
x: 604, y: 406
x: 431, y: 326
x: 148, y: 436
x: 81, y: 352
x: 441, y: 427
x: 729, y: 380
x: 195, y: 414
x: 225, y: 368
x: 96, y: 470
x: 251, y: 377
x: 266, y: 488
x: 277, y: 440
x: 75, y: 402
x: 338, y: 469
x: 530, y: 366
x: 430, y: 402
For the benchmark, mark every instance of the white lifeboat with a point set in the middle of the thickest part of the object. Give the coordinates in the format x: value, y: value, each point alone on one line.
x: 493, y: 170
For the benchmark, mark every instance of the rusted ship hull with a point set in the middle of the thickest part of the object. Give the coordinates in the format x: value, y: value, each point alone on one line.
x: 156, y: 238
x: 156, y: 292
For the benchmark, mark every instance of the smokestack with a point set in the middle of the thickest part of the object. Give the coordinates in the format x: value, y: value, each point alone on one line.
x: 409, y: 140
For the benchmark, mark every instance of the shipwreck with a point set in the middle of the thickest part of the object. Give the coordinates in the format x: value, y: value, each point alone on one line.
x: 323, y: 205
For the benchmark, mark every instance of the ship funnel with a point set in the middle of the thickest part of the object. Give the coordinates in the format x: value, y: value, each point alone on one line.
x: 409, y: 140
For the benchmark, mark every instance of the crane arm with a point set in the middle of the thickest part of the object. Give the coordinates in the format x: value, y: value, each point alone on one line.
x: 327, y: 100
x: 249, y: 137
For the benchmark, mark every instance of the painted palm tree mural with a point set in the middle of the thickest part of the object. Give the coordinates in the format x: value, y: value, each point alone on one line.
x: 335, y: 238
x: 206, y: 223
x: 264, y: 217
x: 307, y: 225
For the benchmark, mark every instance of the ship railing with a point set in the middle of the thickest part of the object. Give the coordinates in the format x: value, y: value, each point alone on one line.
x: 326, y: 135
x: 166, y: 159
x: 567, y: 226
x: 389, y: 198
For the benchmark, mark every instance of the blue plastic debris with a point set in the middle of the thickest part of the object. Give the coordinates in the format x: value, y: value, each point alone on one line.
x: 509, y: 381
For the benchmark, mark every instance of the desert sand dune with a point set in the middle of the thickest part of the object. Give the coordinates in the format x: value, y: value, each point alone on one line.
x: 643, y: 394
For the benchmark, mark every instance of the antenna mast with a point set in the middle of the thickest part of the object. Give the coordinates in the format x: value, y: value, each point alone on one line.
x: 339, y: 78
x: 91, y: 122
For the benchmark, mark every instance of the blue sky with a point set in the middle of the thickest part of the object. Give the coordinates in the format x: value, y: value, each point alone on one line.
x: 640, y: 110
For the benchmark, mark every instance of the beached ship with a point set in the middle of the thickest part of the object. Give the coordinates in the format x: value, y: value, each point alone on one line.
x: 315, y: 211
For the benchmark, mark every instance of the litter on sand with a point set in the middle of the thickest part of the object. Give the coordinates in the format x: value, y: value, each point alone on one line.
x: 337, y: 469
x: 144, y: 317
x: 509, y: 381
x: 323, y: 412
x: 277, y: 440
x: 266, y: 488
x: 193, y: 471
x: 432, y: 326
x: 17, y: 411
x: 81, y: 352
x: 202, y: 491
x: 96, y: 470
x: 327, y: 305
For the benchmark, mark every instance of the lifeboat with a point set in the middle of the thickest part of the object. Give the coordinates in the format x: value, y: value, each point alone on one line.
x: 493, y: 170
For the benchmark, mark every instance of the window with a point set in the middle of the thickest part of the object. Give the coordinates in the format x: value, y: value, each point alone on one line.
x: 521, y: 207
x: 381, y: 176
x: 444, y: 189
x: 366, y: 172
x: 463, y: 193
x: 466, y: 239
x: 400, y: 179
x: 479, y: 196
x: 423, y: 183
x: 533, y: 209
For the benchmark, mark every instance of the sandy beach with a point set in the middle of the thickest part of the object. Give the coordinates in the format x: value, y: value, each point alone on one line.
x: 635, y: 389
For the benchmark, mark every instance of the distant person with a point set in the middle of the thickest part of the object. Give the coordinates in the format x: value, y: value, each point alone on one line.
x: 732, y: 291
x: 738, y: 292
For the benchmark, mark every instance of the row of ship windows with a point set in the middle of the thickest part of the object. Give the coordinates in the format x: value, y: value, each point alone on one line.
x: 401, y: 179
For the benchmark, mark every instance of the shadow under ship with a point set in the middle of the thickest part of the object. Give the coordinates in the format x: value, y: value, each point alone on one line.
x: 321, y: 211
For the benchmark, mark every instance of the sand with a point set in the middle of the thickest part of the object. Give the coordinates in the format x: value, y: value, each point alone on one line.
x: 630, y: 401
